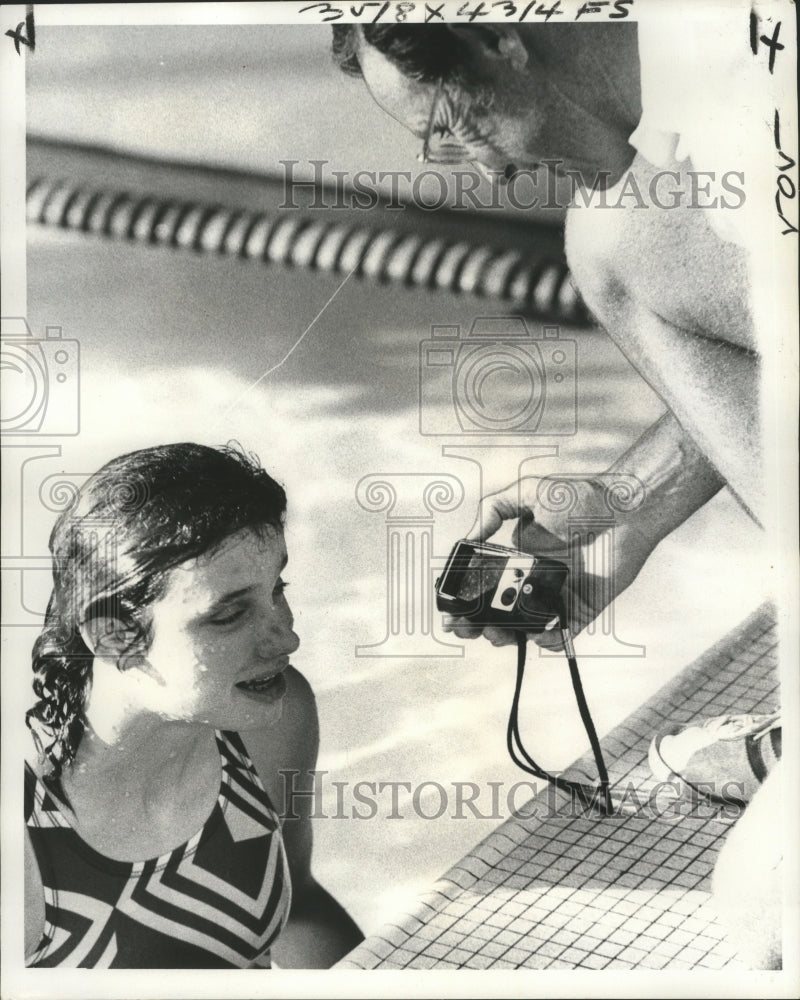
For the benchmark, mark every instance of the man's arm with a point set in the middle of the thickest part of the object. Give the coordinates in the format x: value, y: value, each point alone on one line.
x: 319, y: 931
x: 711, y: 387
x: 677, y: 478
x: 675, y: 298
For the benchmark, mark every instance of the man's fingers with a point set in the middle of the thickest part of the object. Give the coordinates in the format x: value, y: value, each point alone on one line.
x: 549, y: 640
x: 499, y: 636
x: 494, y: 509
x: 487, y: 521
x: 461, y: 627
x: 530, y: 536
x: 464, y: 630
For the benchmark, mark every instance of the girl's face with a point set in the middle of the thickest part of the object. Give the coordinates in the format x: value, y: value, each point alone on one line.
x: 222, y: 636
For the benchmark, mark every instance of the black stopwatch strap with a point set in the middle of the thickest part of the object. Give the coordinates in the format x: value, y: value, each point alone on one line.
x: 586, y: 794
x: 583, y: 706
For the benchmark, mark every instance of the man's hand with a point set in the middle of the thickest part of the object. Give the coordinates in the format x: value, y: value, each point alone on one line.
x: 581, y: 521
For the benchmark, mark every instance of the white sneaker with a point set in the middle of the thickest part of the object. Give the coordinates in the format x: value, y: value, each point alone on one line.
x: 725, y: 758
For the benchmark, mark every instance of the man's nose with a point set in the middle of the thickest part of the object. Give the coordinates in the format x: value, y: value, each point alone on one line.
x: 482, y: 169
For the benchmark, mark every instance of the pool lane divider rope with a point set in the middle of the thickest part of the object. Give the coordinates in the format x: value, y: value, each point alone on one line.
x: 119, y: 196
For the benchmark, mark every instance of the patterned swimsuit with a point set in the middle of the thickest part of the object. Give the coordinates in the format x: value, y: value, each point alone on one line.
x: 217, y: 901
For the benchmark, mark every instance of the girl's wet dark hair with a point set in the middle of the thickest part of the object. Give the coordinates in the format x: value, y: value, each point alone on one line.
x: 428, y: 53
x: 132, y: 522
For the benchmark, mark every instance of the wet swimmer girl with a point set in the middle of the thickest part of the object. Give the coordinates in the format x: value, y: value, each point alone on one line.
x: 166, y: 709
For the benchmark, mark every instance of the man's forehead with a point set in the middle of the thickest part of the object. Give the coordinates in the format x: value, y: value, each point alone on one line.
x: 408, y: 101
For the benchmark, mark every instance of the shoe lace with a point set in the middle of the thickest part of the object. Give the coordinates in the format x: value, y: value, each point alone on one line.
x: 728, y: 727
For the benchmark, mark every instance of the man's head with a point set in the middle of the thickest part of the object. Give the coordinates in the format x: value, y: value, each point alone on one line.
x: 506, y: 96
x: 427, y: 55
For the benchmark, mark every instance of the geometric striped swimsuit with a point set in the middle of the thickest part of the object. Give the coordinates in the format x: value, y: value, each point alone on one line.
x: 218, y: 901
